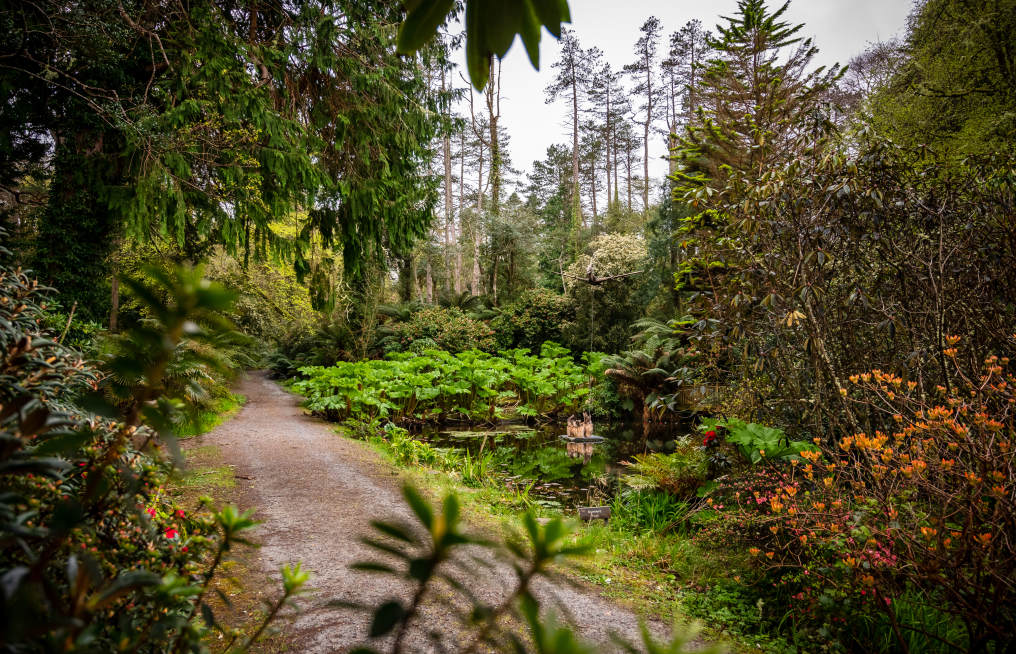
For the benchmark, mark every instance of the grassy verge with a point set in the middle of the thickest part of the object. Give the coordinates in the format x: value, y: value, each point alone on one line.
x: 658, y: 572
x: 200, y: 422
x: 208, y: 479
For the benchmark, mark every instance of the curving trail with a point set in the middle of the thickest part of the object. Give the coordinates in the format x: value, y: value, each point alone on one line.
x: 316, y: 493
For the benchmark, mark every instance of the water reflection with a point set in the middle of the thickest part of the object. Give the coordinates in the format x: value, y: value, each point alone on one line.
x: 536, y: 458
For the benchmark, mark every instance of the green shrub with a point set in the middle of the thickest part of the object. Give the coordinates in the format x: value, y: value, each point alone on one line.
x: 680, y: 473
x: 647, y: 511
x: 755, y: 442
x: 95, y: 557
x: 450, y: 328
x: 538, y: 315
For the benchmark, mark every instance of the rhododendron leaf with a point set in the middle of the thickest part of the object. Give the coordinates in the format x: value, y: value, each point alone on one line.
x: 393, y: 530
x: 419, y: 506
x: 371, y: 566
x: 385, y: 618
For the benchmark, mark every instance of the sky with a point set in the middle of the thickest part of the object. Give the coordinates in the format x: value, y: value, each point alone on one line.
x: 840, y: 29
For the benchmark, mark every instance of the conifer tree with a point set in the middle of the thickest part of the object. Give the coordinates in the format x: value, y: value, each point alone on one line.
x: 571, y: 82
x: 609, y: 106
x: 647, y: 88
x: 758, y: 99
x: 681, y: 74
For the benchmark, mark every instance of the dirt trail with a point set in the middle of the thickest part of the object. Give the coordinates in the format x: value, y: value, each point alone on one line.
x: 316, y: 493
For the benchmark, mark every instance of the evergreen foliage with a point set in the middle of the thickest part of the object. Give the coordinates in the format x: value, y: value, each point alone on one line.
x: 95, y: 557
x: 953, y: 85
x: 758, y: 106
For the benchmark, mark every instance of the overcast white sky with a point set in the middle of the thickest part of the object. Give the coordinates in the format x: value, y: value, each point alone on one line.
x: 840, y: 28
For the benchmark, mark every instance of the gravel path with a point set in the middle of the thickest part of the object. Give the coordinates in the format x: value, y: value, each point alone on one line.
x: 316, y: 493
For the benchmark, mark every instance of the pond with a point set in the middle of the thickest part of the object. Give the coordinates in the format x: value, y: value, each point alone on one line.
x: 535, y: 459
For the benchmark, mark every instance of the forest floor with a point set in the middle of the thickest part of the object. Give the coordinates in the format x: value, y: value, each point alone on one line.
x: 316, y: 494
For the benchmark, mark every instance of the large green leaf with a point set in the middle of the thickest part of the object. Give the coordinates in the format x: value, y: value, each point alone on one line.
x: 491, y: 26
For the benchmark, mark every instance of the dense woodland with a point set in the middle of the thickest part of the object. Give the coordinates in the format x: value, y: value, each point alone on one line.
x: 809, y: 321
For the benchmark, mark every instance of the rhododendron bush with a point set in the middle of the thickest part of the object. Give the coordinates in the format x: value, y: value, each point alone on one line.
x: 922, y: 512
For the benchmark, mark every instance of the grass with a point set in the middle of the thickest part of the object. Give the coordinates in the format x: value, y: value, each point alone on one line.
x: 240, y: 578
x: 200, y: 422
x: 656, y: 572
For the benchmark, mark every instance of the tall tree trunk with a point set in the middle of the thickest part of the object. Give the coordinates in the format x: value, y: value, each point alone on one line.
x: 462, y: 203
x: 476, y: 225
x: 606, y: 143
x: 428, y: 290
x: 627, y: 169
x: 476, y: 256
x: 617, y: 185
x: 493, y: 279
x: 672, y: 127
x: 449, y: 276
x: 493, y: 95
x: 592, y: 188
x: 645, y: 142
x: 114, y: 312
x: 576, y: 200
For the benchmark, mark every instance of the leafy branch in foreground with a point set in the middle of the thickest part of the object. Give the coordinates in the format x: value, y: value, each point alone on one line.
x: 436, y: 555
x: 93, y: 556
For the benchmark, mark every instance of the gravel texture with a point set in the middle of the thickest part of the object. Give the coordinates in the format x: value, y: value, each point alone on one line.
x: 316, y: 493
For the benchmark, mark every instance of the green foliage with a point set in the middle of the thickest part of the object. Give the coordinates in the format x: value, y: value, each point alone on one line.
x: 656, y: 376
x: 642, y: 510
x: 72, y: 330
x: 437, y: 328
x: 437, y: 386
x: 605, y: 312
x: 680, y: 473
x: 94, y: 556
x: 756, y: 442
x: 270, y: 305
x: 433, y: 551
x: 205, y: 350
x: 200, y: 420
x: 77, y: 233
x: 952, y: 84
x: 289, y: 108
x: 408, y: 451
x: 538, y: 315
x: 490, y: 29
x: 839, y: 280
x: 759, y: 102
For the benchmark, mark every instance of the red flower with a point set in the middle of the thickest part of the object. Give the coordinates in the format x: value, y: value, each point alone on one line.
x: 151, y: 512
x: 172, y: 533
x: 179, y: 513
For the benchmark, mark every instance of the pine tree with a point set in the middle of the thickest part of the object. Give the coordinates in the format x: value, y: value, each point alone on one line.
x: 758, y: 102
x: 681, y: 73
x: 571, y: 83
x: 609, y: 106
x: 648, y: 88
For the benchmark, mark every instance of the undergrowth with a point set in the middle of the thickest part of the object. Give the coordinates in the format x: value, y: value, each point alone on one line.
x: 203, y: 420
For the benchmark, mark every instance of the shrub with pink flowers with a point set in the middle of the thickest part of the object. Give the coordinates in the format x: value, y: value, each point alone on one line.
x: 894, y: 525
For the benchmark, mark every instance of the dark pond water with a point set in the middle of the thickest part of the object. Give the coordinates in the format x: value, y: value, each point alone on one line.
x: 535, y: 458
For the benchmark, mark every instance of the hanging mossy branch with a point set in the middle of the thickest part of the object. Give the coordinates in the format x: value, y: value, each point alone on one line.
x: 491, y: 26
